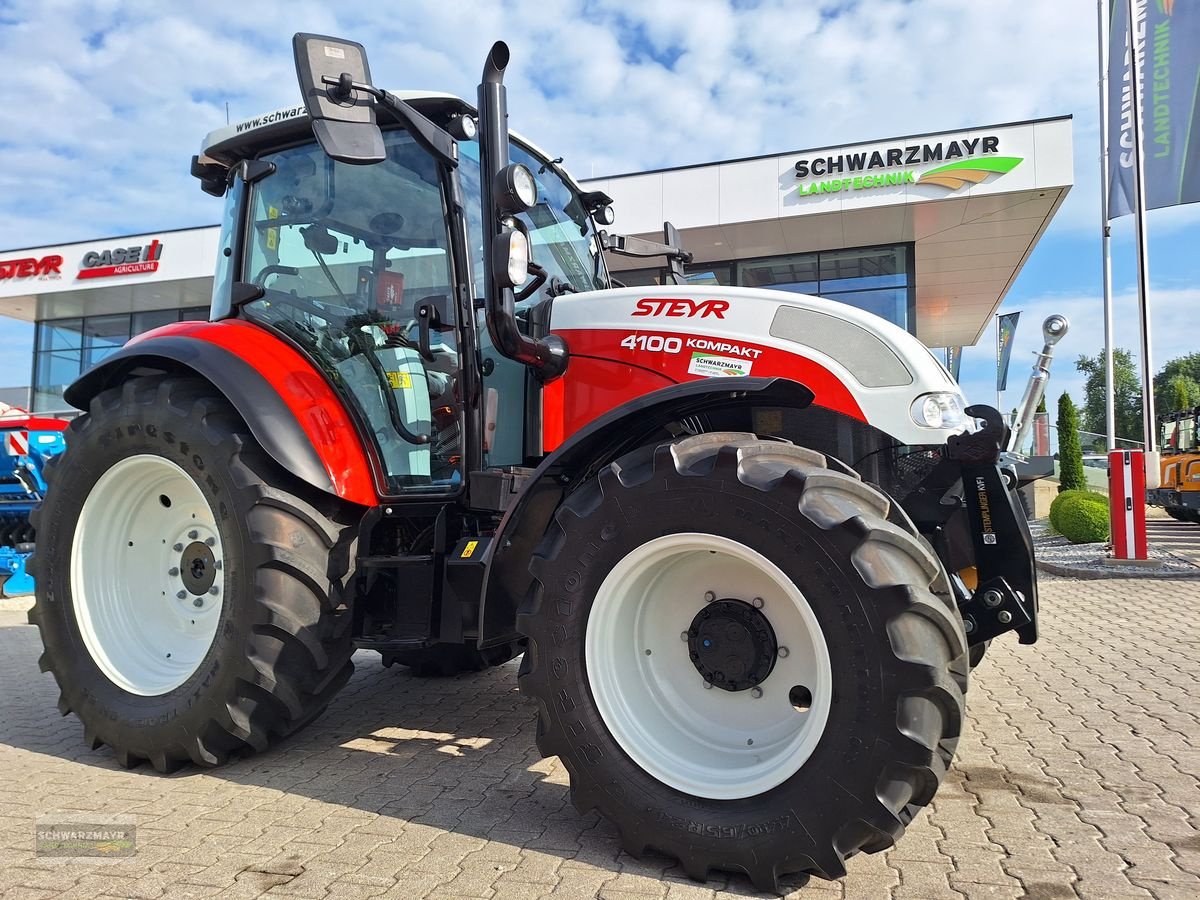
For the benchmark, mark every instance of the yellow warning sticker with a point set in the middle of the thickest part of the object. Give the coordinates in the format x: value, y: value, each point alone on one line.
x: 399, y: 380
x: 272, y: 233
x: 469, y: 549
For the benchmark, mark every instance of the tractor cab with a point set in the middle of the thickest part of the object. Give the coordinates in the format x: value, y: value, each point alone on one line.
x: 373, y: 271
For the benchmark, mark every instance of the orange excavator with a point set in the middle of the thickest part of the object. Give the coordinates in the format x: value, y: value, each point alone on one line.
x: 1179, y: 491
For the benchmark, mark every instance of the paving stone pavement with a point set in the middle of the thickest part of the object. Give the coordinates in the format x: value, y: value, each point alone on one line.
x: 1181, y: 538
x: 1076, y: 777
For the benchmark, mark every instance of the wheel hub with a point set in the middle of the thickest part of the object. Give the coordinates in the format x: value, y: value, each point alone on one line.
x: 732, y: 645
x: 197, y: 568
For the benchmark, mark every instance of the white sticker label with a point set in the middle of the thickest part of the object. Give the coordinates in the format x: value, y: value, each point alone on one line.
x: 709, y: 366
x: 335, y: 52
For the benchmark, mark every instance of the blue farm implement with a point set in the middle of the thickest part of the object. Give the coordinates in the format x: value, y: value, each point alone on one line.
x: 28, y: 444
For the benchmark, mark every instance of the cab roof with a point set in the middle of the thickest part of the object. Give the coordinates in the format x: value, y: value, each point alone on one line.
x: 250, y: 137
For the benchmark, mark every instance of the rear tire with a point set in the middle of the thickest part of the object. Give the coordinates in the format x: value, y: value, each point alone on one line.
x: 896, y: 652
x: 445, y: 660
x: 277, y: 645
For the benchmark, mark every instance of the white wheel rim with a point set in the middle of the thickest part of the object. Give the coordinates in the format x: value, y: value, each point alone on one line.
x: 706, y: 742
x: 145, y: 616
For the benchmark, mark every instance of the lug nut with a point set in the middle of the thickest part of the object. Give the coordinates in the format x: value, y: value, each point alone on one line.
x: 182, y: 595
x: 217, y: 565
x: 683, y: 636
x: 173, y: 572
x: 756, y: 692
x: 707, y: 685
x: 214, y: 590
x: 193, y: 534
x: 757, y: 602
x: 198, y: 602
x: 177, y: 548
x: 709, y: 596
x: 992, y: 598
x: 1005, y: 616
x: 783, y: 652
x: 212, y: 542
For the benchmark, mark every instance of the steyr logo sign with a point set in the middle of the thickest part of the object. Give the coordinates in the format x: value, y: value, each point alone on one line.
x: 966, y: 161
x: 46, y: 267
x: 121, y: 261
x: 681, y: 308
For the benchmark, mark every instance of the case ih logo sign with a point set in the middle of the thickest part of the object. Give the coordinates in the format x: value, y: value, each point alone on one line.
x: 46, y: 267
x: 121, y: 261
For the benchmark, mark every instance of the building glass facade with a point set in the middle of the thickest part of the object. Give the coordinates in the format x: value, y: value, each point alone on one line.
x: 879, y: 280
x: 65, y: 348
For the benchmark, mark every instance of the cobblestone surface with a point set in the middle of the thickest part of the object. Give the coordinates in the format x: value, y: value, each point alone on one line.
x: 1077, y: 777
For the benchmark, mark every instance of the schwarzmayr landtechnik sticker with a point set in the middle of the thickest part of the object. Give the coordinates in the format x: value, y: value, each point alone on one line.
x: 709, y: 366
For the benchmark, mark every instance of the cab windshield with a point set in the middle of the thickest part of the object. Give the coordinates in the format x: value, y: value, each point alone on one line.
x: 351, y: 260
x: 561, y: 235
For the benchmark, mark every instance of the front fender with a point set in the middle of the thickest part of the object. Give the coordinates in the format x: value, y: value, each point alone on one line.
x: 582, y: 456
x: 286, y: 403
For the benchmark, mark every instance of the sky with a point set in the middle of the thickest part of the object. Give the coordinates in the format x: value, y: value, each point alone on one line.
x: 106, y: 102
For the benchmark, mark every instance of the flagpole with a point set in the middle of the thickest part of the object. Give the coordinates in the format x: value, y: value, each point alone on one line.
x: 1110, y: 416
x: 1139, y: 224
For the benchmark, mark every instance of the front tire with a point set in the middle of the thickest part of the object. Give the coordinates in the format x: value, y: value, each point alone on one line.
x: 190, y: 594
x: 783, y: 765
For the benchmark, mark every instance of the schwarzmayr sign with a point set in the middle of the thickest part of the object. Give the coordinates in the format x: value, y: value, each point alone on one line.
x: 967, y: 161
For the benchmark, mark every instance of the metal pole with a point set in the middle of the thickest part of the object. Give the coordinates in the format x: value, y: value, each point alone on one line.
x: 1139, y: 224
x: 1110, y: 414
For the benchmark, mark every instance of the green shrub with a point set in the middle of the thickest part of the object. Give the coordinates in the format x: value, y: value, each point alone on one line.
x: 1081, y: 520
x: 1070, y: 454
x: 1057, y: 505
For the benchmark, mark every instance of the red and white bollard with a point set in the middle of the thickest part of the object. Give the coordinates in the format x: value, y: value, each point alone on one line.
x: 1127, y: 503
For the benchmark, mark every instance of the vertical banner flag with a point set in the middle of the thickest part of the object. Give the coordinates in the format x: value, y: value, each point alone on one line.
x: 1004, y: 338
x: 1167, y: 36
x: 954, y: 361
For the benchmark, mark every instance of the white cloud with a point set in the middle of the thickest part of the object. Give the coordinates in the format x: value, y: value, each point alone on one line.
x: 116, y: 96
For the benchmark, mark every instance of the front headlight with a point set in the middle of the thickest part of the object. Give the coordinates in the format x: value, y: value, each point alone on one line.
x: 940, y: 410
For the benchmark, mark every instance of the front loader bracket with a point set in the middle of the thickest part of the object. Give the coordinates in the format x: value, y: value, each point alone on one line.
x: 992, y: 610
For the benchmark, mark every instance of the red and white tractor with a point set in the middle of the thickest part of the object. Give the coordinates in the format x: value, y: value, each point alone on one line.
x: 749, y: 541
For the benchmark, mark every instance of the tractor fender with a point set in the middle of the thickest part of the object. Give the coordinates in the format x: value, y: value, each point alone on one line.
x: 581, y: 457
x: 289, y: 407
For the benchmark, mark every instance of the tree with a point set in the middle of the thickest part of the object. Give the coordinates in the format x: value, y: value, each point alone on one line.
x: 1177, y: 386
x: 1070, y: 455
x: 1127, y: 399
x: 1178, y: 394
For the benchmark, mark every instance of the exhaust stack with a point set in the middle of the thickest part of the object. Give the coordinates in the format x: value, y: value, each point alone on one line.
x: 548, y: 356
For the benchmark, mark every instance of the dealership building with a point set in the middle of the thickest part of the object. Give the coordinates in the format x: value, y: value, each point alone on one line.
x: 929, y: 231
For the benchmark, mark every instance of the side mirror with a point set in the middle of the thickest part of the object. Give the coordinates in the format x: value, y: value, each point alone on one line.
x: 343, y: 116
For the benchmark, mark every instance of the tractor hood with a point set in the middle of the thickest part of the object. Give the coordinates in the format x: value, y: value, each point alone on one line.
x: 854, y: 361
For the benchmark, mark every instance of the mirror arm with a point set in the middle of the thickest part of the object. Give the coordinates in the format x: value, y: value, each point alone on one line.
x: 428, y: 135
x: 627, y: 245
